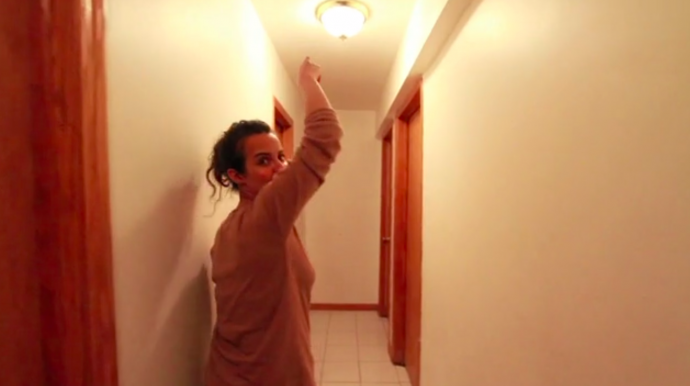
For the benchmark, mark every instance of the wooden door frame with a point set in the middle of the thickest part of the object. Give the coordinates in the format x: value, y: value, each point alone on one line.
x: 386, y: 230
x: 284, y: 127
x: 397, y: 343
x: 73, y: 231
x: 413, y: 257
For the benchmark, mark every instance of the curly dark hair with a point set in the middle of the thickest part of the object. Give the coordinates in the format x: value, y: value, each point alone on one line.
x: 228, y: 153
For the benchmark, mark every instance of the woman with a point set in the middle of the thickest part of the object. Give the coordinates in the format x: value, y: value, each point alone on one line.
x: 262, y: 275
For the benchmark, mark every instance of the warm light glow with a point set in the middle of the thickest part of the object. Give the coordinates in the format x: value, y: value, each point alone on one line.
x: 342, y: 19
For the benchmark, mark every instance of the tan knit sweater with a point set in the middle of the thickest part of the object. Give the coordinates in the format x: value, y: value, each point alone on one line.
x: 263, y: 277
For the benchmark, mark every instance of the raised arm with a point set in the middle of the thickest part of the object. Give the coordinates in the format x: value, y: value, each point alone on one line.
x: 314, y: 97
x: 279, y: 203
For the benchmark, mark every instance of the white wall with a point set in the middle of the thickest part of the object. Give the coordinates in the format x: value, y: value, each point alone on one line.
x: 424, y: 16
x: 557, y: 197
x: 343, y: 218
x: 179, y: 73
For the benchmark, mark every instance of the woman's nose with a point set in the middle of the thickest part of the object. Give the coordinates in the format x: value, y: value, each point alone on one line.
x: 280, y: 166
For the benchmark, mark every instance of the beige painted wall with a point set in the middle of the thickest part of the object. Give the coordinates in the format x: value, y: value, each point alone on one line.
x: 180, y: 72
x: 343, y: 218
x: 557, y: 197
x: 424, y: 16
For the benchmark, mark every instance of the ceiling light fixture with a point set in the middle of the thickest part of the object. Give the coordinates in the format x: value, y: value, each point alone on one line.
x: 342, y: 18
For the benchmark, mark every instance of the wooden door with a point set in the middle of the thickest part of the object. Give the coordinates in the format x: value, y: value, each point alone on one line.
x: 414, y: 249
x: 397, y: 319
x: 405, y: 319
x: 288, y: 139
x: 283, y: 126
x: 386, y: 226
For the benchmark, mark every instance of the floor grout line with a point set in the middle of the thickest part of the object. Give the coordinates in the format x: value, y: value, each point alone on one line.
x: 370, y: 325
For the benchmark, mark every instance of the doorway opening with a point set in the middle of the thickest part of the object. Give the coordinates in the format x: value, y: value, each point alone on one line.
x: 385, y: 249
x: 284, y: 128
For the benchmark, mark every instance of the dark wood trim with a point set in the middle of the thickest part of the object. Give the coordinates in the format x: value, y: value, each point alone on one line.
x: 281, y: 116
x: 72, y: 188
x: 344, y: 307
x: 414, y: 103
x: 284, y: 128
x: 413, y: 259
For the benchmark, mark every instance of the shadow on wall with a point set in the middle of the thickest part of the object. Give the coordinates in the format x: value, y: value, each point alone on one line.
x: 164, y: 305
x: 179, y: 352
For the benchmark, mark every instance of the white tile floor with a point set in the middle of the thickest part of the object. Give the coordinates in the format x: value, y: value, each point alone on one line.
x: 350, y: 349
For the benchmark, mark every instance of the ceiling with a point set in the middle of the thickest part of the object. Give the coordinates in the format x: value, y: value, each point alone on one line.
x: 355, y: 70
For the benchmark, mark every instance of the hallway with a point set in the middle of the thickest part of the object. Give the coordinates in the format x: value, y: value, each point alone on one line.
x: 350, y: 350
x: 551, y: 180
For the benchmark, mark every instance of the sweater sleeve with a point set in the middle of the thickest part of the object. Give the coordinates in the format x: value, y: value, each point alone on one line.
x: 280, y: 202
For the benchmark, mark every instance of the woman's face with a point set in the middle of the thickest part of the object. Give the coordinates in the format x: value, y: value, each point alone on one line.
x: 263, y: 159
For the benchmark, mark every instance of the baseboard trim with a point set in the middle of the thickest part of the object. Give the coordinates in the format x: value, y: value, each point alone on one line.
x: 344, y: 307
